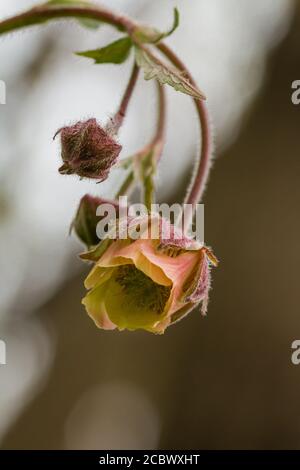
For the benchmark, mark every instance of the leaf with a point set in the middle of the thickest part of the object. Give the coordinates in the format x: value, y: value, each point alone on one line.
x: 115, y: 231
x: 97, y: 252
x: 175, y: 24
x: 115, y: 53
x: 155, y: 69
x: 146, y: 34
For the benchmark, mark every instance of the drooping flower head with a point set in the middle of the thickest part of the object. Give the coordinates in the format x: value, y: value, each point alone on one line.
x: 88, y: 150
x: 147, y: 283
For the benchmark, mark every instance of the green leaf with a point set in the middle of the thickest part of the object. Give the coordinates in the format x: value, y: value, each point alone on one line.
x: 175, y: 24
x: 155, y: 69
x: 115, y: 53
x: 146, y: 34
x: 96, y: 253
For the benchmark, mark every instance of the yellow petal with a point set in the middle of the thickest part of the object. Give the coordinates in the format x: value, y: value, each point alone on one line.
x: 121, y: 253
x: 94, y: 304
x: 97, y: 276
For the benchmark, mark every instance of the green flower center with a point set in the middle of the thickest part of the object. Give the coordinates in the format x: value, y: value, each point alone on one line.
x: 132, y: 300
x: 142, y: 291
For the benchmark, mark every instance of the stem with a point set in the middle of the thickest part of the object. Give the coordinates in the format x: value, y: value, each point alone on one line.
x: 44, y: 13
x: 120, y: 115
x: 159, y: 137
x: 152, y: 153
x: 127, y: 185
x: 158, y: 140
x: 203, y: 167
x: 156, y: 143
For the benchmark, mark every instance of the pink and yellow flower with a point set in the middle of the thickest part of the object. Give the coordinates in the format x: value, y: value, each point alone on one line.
x: 147, y: 284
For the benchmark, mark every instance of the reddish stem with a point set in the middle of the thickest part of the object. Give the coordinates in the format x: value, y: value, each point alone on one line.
x: 46, y: 12
x: 121, y: 114
x: 199, y: 182
x: 43, y: 13
x: 161, y: 123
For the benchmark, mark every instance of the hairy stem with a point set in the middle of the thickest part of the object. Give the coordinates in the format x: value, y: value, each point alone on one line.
x: 159, y: 138
x: 127, y: 185
x: 121, y: 114
x: 44, y: 13
x: 152, y: 153
x: 202, y: 169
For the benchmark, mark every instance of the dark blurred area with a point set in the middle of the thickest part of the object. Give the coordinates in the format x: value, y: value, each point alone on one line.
x: 221, y: 382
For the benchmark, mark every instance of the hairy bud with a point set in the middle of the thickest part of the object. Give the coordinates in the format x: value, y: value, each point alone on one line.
x: 86, y: 219
x: 88, y: 150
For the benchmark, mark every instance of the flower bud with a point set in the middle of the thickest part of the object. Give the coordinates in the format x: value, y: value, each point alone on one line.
x: 88, y: 150
x: 86, y: 219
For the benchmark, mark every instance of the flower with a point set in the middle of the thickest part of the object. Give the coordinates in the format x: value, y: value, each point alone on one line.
x: 147, y: 283
x: 88, y: 150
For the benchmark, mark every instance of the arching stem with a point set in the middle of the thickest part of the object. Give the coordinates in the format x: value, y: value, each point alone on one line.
x: 41, y: 14
x: 199, y: 181
x: 120, y: 115
x: 159, y: 138
x: 44, y: 13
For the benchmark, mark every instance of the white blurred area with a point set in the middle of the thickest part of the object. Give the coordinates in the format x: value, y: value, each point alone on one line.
x: 224, y: 43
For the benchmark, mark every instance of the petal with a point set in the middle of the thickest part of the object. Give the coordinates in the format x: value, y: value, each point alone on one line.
x: 160, y: 326
x: 198, y: 285
x: 97, y: 276
x: 113, y: 251
x: 94, y: 304
x: 172, y: 236
x: 121, y: 252
x: 160, y: 267
x: 175, y: 269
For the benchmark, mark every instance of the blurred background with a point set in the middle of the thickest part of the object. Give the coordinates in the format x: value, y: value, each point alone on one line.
x: 221, y: 382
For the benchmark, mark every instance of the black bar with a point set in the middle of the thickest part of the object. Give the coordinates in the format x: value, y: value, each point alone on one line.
x: 133, y: 459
